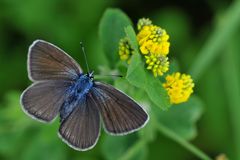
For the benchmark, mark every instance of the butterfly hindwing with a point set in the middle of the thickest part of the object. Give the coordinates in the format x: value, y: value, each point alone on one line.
x: 48, y: 62
x: 42, y: 100
x: 81, y: 128
x: 120, y: 114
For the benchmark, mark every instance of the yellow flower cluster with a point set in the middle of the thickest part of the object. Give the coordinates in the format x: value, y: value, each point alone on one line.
x: 153, y: 40
x: 158, y: 65
x: 125, y: 49
x: 154, y: 45
x: 179, y: 87
x: 143, y: 22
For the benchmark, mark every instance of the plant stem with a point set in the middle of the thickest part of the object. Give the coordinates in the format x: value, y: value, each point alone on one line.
x: 229, y: 24
x: 134, y: 149
x: 168, y: 133
x: 182, y: 142
x: 231, y: 78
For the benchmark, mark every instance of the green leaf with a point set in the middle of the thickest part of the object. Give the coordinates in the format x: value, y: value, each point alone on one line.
x: 182, y: 118
x: 111, y: 30
x: 138, y: 76
x: 132, y: 37
x: 157, y: 93
x: 135, y: 73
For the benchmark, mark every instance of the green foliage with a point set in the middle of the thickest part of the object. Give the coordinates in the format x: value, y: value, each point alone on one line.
x: 111, y: 30
x: 232, y: 87
x: 25, y: 136
x: 123, y: 143
x: 223, y: 32
x: 139, y: 77
x: 182, y: 118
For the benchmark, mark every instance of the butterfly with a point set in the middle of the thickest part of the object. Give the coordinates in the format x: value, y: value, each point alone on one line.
x: 60, y: 88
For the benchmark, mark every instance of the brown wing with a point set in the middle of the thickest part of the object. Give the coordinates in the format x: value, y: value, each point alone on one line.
x: 80, y: 130
x: 120, y: 114
x: 48, y: 62
x: 42, y: 100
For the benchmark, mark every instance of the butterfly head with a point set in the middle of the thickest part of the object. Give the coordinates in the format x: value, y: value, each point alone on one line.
x: 90, y: 75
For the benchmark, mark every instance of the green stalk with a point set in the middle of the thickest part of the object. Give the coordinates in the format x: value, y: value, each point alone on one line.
x: 168, y: 133
x: 232, y: 86
x: 134, y: 149
x: 224, y: 30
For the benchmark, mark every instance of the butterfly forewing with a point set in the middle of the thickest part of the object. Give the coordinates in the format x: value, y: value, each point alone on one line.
x: 120, y: 114
x: 42, y: 100
x: 81, y: 129
x: 48, y: 62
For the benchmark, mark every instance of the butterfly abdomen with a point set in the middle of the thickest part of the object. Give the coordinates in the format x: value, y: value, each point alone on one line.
x: 75, y: 95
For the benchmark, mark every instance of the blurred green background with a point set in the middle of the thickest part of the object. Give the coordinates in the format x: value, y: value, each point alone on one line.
x: 204, y: 38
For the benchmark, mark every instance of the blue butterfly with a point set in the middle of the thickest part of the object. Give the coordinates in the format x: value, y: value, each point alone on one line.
x: 61, y: 88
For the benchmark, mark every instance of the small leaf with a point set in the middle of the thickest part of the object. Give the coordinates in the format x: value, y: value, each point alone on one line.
x: 157, y: 93
x: 132, y: 37
x: 135, y: 73
x: 111, y: 30
x: 182, y: 118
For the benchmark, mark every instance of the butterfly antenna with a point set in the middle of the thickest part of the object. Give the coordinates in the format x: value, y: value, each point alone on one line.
x: 85, y: 57
x: 112, y: 75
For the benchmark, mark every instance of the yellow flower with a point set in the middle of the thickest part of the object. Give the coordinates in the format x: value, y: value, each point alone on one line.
x: 179, y: 87
x: 157, y: 64
x: 153, y: 39
x: 143, y: 22
x: 125, y: 49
